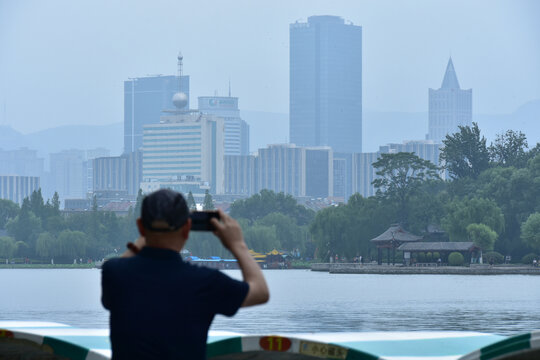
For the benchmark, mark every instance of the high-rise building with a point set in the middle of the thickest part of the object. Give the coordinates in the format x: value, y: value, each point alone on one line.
x: 16, y: 188
x: 343, y: 176
x: 424, y: 149
x: 294, y: 170
x: 236, y: 129
x: 326, y: 84
x: 144, y: 100
x: 364, y: 173
x: 109, y: 174
x: 69, y: 173
x: 88, y: 165
x: 24, y: 162
x: 240, y: 175
x: 184, y: 146
x: 118, y: 174
x: 319, y: 172
x: 449, y: 107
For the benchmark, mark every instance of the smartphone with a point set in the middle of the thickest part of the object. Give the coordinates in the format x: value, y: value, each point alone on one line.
x: 200, y: 220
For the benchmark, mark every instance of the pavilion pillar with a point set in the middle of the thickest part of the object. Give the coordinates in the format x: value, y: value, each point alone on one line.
x: 379, y: 257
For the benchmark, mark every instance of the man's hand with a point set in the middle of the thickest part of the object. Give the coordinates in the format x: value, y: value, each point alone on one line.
x: 139, y: 243
x: 229, y: 232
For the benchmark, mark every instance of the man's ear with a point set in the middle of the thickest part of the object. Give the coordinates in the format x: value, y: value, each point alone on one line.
x: 140, y: 226
x: 186, y: 228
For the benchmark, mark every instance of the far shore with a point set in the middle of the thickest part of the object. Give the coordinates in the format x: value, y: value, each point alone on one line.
x: 49, y: 266
x: 475, y: 269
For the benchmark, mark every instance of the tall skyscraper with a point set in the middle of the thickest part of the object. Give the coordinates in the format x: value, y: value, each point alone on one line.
x: 326, y: 84
x: 144, y: 100
x: 236, y: 129
x: 449, y: 107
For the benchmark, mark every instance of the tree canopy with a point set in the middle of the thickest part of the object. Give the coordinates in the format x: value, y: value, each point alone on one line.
x: 509, y: 149
x: 266, y: 202
x: 400, y: 177
x: 465, y: 153
x: 208, y: 203
x: 531, y: 231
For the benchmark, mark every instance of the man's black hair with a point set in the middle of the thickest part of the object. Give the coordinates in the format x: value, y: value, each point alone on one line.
x: 164, y: 210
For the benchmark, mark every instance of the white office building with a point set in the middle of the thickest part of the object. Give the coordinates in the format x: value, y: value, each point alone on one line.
x: 184, y: 147
x: 236, y: 129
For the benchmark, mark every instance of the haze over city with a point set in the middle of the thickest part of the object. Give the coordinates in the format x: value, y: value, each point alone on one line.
x: 64, y: 63
x: 352, y: 147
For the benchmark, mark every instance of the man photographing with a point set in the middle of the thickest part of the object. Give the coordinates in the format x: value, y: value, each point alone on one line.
x: 160, y: 306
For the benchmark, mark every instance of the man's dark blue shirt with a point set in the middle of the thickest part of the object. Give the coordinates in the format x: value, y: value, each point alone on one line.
x: 161, y: 307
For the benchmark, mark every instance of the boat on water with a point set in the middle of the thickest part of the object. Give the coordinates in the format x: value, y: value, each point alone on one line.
x: 214, y: 262
x: 272, y: 260
x: 48, y: 340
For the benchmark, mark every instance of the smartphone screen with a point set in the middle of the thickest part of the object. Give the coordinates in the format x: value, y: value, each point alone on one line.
x: 200, y: 220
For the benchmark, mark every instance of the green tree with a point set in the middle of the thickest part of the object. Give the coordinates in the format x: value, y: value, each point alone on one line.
x: 8, y: 247
x: 208, y: 203
x: 346, y: 230
x: 205, y: 244
x: 482, y: 236
x: 463, y: 212
x: 47, y: 246
x: 329, y: 232
x: 138, y: 204
x: 55, y: 203
x: 530, y: 231
x: 400, y: 177
x: 509, y: 149
x: 8, y: 210
x: 515, y: 191
x: 266, y: 202
x: 426, y: 207
x: 289, y: 234
x: 71, y: 245
x: 37, y: 205
x: 262, y: 238
x: 25, y: 226
x: 191, y: 201
x: 456, y: 259
x: 465, y: 153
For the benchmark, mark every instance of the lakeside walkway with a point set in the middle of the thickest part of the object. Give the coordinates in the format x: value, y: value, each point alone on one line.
x: 354, y: 268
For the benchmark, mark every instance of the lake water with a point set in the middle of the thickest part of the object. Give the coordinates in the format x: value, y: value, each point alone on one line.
x: 305, y: 301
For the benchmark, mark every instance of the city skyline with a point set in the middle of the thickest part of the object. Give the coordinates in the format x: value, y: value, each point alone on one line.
x: 403, y: 51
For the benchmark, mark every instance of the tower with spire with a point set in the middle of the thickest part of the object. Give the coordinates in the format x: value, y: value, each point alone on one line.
x: 449, y: 107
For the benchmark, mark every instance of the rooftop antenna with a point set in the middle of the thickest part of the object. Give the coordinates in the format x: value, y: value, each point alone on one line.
x: 229, y: 87
x: 180, y: 69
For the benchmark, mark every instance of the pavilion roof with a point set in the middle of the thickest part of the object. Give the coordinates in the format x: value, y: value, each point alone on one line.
x: 397, y: 233
x: 439, y: 246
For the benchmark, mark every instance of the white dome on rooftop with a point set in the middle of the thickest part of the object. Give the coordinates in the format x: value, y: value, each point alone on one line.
x: 180, y: 100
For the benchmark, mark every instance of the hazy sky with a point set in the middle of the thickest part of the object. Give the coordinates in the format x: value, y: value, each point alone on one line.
x: 64, y: 61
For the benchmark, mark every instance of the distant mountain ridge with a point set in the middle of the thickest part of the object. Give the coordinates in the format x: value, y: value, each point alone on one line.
x: 379, y: 128
x: 60, y: 138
